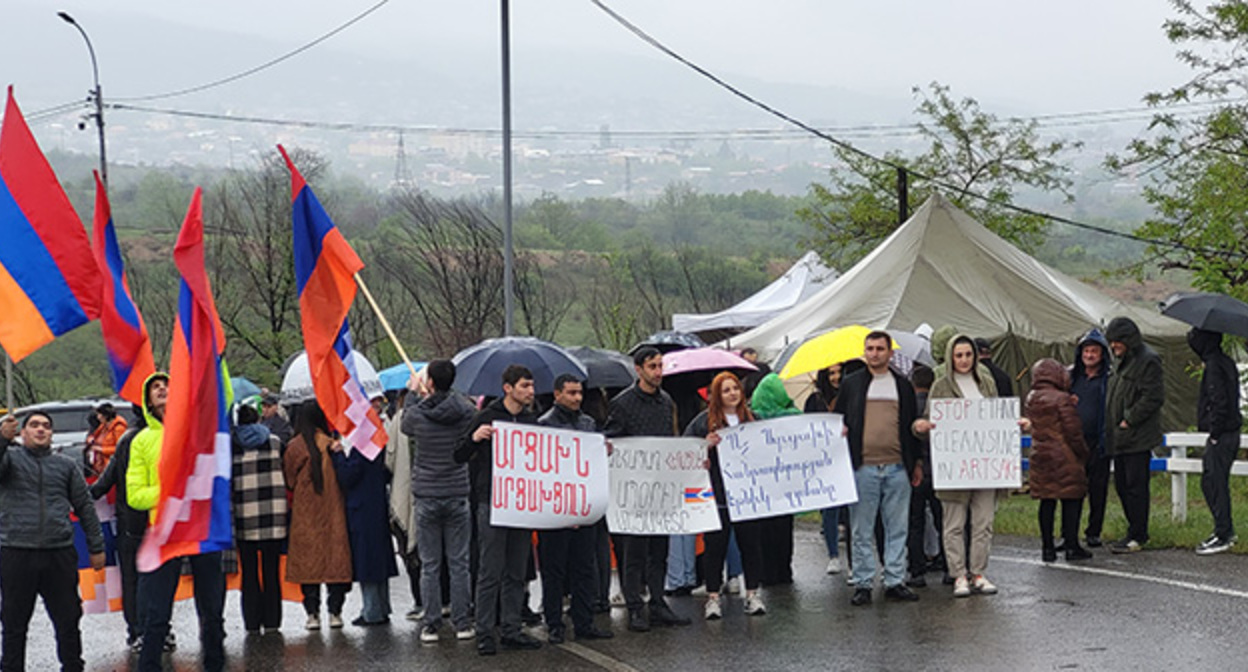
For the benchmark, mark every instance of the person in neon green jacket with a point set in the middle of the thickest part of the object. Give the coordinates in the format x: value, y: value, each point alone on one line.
x: 143, y: 473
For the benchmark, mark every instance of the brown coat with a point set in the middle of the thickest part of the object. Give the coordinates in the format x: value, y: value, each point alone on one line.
x: 1058, y: 451
x: 320, y: 550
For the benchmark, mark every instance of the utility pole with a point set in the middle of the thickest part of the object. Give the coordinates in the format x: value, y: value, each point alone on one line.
x: 509, y: 280
x: 96, y: 95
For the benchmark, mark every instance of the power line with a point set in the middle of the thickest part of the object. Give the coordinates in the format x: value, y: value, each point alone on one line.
x: 263, y: 66
x: 648, y: 39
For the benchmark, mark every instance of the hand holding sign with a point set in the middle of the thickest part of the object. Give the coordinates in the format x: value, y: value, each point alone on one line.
x: 975, y: 443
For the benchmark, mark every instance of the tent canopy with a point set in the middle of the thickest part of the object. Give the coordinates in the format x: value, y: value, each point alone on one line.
x: 943, y: 267
x: 800, y: 282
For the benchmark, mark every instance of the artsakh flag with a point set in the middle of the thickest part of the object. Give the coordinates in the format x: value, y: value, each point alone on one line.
x: 125, y: 335
x: 49, y: 283
x: 193, y: 512
x: 325, y: 268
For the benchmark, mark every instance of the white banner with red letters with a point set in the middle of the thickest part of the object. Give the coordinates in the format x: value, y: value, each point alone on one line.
x: 547, y: 478
x: 660, y: 485
x: 975, y: 443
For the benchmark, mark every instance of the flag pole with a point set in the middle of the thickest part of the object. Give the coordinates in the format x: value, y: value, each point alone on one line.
x: 8, y: 384
x: 385, y: 324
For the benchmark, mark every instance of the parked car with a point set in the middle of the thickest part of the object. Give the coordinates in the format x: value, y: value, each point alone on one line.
x: 70, y: 421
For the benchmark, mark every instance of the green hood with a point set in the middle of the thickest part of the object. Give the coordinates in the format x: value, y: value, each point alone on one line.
x: 771, y: 400
x: 940, y: 342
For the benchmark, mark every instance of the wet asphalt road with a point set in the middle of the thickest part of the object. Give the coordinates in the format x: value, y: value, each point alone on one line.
x: 1153, y: 610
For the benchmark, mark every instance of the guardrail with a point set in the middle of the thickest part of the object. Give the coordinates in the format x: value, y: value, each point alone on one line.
x: 1180, y: 465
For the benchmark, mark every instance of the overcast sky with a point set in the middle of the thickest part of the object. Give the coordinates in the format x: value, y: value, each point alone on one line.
x: 1057, y: 56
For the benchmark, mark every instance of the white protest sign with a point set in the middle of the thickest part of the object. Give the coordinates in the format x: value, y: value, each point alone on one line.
x: 547, y: 478
x: 975, y: 443
x: 660, y: 485
x: 786, y: 465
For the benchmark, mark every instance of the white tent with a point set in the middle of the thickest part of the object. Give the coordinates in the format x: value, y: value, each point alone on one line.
x: 943, y: 267
x: 800, y: 282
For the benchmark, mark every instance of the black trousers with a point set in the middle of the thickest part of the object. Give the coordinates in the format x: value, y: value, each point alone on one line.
x: 127, y: 564
x: 52, y: 575
x: 1098, y: 493
x: 777, y: 537
x: 260, y: 564
x: 157, y: 590
x: 602, y: 564
x: 1072, y: 509
x: 749, y: 541
x: 645, y: 563
x: 1131, y: 480
x: 1215, y: 481
x: 337, y: 597
x: 568, y: 565
x: 920, y: 498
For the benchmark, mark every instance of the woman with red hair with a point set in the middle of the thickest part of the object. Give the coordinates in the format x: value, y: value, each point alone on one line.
x: 726, y: 407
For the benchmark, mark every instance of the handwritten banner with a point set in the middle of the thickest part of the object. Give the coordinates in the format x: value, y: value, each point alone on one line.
x: 547, y: 478
x: 660, y: 486
x: 786, y: 465
x: 975, y: 443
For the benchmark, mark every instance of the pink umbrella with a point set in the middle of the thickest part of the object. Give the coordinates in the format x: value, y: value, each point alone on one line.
x: 704, y: 361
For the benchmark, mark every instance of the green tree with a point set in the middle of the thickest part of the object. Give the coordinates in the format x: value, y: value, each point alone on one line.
x: 969, y: 151
x: 1198, y: 164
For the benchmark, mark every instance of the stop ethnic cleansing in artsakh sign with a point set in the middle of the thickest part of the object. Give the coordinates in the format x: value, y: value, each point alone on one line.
x: 976, y: 443
x: 547, y: 478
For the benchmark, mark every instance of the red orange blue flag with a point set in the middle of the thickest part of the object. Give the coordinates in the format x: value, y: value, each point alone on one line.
x: 193, y: 512
x: 125, y: 335
x: 325, y: 268
x: 49, y: 283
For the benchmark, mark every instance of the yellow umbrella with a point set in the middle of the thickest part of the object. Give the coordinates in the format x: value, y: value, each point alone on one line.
x: 824, y: 350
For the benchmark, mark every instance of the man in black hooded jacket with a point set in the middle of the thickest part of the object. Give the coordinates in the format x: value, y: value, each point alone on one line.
x: 1136, y: 395
x: 1218, y: 414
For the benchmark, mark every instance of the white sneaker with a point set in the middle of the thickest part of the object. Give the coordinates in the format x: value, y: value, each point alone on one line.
x: 834, y: 566
x: 467, y: 633
x: 849, y: 579
x: 961, y: 587
x: 335, y: 621
x: 700, y: 591
x: 1215, y: 547
x: 415, y: 614
x: 712, y: 610
x: 428, y: 634
x: 754, y: 605
x: 617, y: 601
x: 734, y: 585
x: 314, y: 622
x: 983, y: 586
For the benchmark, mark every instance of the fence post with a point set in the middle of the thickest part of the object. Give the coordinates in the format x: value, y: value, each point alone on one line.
x: 1178, y: 486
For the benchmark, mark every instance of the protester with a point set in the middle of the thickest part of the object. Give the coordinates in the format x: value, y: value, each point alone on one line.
x: 1089, y: 382
x: 827, y: 384
x: 130, y: 528
x: 37, y: 556
x: 440, y: 488
x: 727, y: 408
x: 402, y: 508
x: 319, y: 550
x: 1136, y: 394
x: 271, y: 417
x: 567, y: 555
x: 363, y: 483
x: 770, y: 400
x: 878, y: 406
x: 1058, y: 454
x: 505, y: 551
x: 922, y: 495
x: 157, y: 588
x: 965, y: 378
x: 1005, y: 384
x: 102, y: 441
x: 753, y: 378
x: 644, y: 409
x: 1218, y: 414
x: 259, y: 500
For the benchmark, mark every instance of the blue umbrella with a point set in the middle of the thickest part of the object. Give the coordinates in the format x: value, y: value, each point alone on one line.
x: 479, y: 369
x: 243, y: 388
x: 395, y: 377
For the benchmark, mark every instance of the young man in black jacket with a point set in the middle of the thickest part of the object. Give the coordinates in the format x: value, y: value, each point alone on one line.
x: 1133, y: 425
x: 504, y: 551
x: 131, y: 525
x: 1218, y: 414
x: 567, y: 555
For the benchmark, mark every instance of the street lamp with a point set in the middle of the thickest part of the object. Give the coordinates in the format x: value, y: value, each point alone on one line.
x: 95, y: 95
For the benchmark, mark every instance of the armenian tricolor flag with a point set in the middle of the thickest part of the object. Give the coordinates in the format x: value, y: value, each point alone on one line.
x: 125, y: 334
x: 325, y: 268
x: 49, y: 282
x: 193, y: 514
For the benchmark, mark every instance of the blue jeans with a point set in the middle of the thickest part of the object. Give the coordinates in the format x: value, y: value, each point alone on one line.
x: 444, y: 527
x: 831, y: 518
x: 885, y: 491
x: 682, y: 561
x: 376, y: 596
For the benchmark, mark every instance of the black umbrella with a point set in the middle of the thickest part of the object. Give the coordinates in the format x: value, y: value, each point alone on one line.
x: 1211, y: 312
x: 607, y: 368
x: 667, y: 341
x: 479, y: 369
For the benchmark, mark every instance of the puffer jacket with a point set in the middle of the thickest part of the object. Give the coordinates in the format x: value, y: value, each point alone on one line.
x: 37, y: 491
x: 1058, y: 451
x: 1136, y: 393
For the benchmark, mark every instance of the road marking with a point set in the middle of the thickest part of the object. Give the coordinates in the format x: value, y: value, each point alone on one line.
x: 600, y: 659
x: 1174, y: 583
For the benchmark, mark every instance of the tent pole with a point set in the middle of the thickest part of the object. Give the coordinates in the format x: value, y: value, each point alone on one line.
x: 903, y: 195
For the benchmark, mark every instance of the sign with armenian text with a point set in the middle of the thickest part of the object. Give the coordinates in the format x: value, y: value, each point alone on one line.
x: 660, y: 485
x: 547, y: 478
